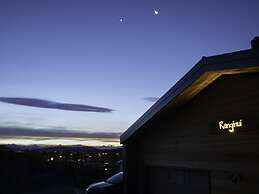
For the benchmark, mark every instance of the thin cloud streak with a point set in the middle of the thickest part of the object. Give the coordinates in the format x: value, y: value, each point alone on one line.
x: 39, y: 103
x: 23, y: 132
x: 151, y: 99
x: 28, y: 136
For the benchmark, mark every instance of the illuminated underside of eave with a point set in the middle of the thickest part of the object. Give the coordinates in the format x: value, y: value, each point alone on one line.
x: 205, y: 80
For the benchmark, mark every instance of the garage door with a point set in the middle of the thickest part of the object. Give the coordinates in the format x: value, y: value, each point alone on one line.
x: 168, y: 180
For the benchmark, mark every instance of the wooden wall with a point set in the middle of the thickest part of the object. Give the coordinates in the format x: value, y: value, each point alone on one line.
x: 185, y: 138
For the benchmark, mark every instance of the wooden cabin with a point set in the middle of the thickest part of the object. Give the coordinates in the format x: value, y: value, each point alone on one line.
x: 202, y: 136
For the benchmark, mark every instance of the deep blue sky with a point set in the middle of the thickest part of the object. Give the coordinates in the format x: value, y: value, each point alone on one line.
x: 79, y: 52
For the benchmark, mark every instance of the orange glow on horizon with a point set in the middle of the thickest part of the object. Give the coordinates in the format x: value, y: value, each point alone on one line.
x: 59, y: 141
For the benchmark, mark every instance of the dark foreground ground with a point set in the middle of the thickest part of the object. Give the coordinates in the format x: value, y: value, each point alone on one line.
x: 55, y: 170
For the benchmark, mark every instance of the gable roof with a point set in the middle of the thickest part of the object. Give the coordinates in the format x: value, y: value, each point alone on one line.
x: 207, y: 70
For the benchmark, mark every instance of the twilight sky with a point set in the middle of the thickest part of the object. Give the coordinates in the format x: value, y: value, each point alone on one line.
x: 82, y: 71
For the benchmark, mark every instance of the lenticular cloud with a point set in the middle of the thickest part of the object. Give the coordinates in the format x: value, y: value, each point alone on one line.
x: 39, y: 103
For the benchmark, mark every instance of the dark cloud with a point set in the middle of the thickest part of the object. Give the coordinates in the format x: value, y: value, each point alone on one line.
x: 58, y: 133
x: 39, y: 103
x: 151, y: 99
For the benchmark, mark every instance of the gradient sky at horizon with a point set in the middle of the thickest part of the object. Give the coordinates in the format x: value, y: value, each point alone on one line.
x: 79, y: 52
